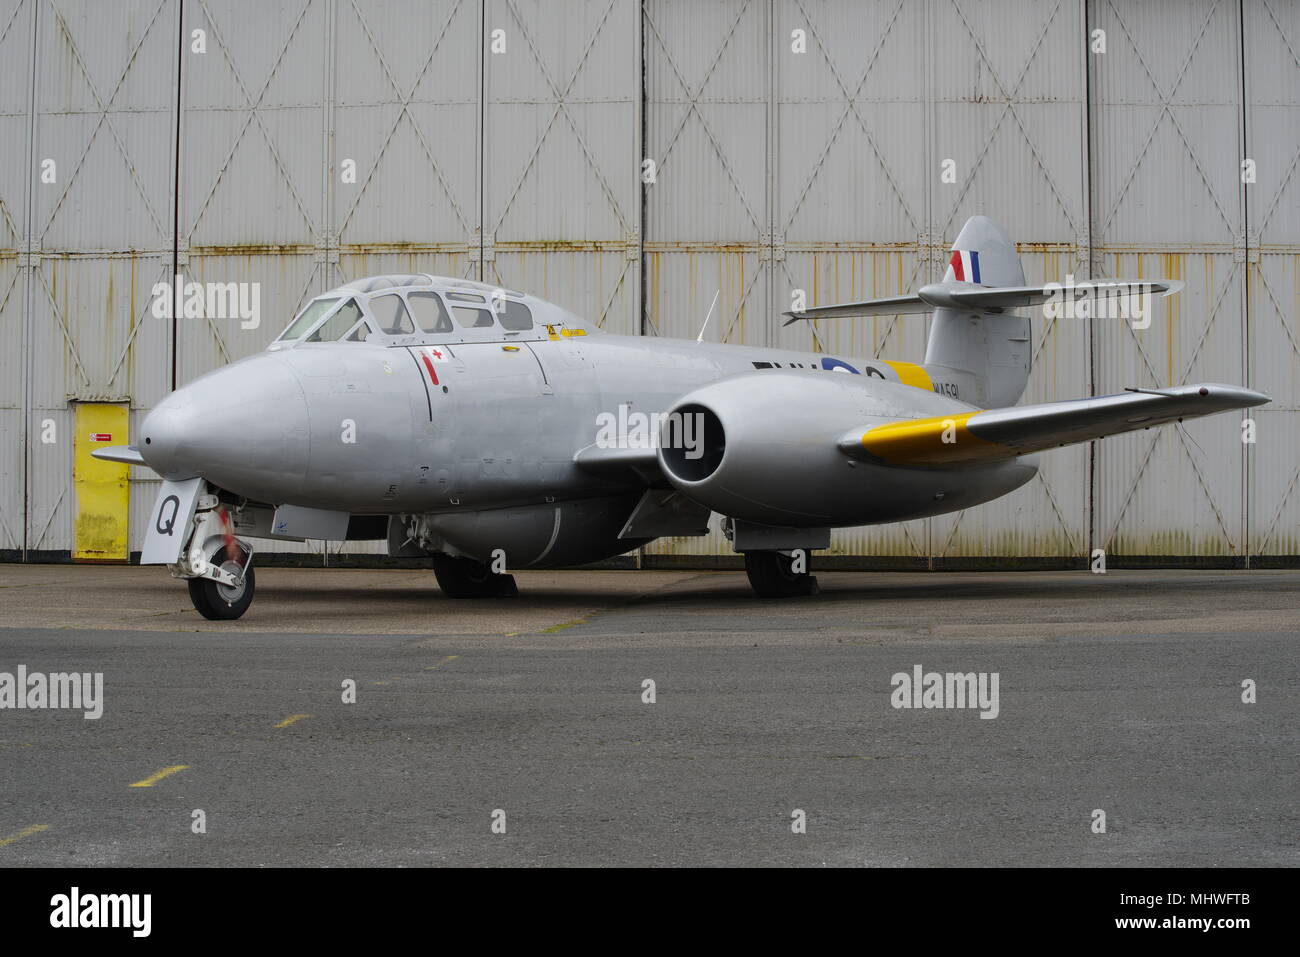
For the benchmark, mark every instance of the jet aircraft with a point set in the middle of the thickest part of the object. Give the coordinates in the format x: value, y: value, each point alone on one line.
x: 489, y: 430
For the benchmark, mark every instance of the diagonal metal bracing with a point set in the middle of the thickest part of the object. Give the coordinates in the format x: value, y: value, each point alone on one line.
x: 404, y: 112
x: 4, y: 207
x: 851, y: 107
x: 613, y: 294
x: 1184, y: 444
x: 693, y: 108
x: 740, y: 306
x: 136, y: 326
x: 10, y: 537
x: 562, y: 108
x: 1166, y: 110
x: 63, y: 326
x: 13, y: 282
x: 105, y: 119
x: 1295, y: 160
x: 1009, y: 109
x: 253, y: 104
x: 40, y: 539
x: 1276, y: 521
x: 693, y: 94
x: 1211, y: 316
x: 1132, y: 492
x: 1147, y: 458
x: 1264, y: 284
x: 1075, y: 545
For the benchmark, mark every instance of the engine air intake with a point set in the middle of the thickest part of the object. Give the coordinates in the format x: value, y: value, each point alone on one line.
x: 692, y: 443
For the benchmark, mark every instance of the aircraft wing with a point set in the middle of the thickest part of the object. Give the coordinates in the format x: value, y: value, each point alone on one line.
x: 970, y: 438
x: 984, y: 298
x: 613, y: 463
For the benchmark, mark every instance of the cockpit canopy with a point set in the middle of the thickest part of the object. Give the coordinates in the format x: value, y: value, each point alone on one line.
x: 413, y: 309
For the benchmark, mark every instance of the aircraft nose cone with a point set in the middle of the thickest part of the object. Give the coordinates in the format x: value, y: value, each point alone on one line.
x: 243, y: 427
x: 165, y: 430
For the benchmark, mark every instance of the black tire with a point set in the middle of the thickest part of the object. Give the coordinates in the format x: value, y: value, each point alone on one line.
x: 771, y: 576
x: 466, y: 578
x: 218, y: 602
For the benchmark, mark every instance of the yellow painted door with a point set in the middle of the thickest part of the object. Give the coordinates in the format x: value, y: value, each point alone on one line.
x: 102, y: 488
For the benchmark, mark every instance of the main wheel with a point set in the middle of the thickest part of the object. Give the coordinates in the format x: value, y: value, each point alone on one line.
x: 218, y: 602
x: 772, y: 575
x: 466, y: 578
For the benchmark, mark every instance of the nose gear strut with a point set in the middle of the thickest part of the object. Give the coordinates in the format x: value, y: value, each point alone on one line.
x: 217, y: 566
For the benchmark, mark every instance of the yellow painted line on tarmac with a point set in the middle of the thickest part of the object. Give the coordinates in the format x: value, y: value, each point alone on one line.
x: 447, y: 660
x: 291, y: 719
x: 563, y: 625
x: 551, y: 629
x: 25, y: 832
x: 157, y: 776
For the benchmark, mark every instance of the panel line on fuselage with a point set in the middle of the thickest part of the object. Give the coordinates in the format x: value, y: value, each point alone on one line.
x: 425, y: 382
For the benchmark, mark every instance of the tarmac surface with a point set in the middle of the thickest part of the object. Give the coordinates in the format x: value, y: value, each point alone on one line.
x: 1120, y: 693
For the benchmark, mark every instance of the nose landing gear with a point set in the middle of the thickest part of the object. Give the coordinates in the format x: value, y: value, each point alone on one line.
x: 217, y: 566
x: 218, y: 601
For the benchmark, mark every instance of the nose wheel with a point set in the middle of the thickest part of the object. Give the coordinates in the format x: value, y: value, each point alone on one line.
x: 218, y: 601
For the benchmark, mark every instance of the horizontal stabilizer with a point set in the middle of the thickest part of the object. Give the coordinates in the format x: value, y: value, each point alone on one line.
x: 968, y: 438
x: 119, y: 453
x: 964, y: 295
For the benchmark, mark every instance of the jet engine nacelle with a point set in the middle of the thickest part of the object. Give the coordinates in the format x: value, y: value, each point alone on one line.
x: 762, y: 447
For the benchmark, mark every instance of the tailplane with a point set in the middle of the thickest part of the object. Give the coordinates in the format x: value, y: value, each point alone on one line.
x: 974, y: 339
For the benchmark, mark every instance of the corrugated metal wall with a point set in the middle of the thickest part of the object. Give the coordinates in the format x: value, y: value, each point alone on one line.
x: 792, y: 144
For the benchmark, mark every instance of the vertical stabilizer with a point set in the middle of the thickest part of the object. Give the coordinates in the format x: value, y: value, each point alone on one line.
x: 993, y: 348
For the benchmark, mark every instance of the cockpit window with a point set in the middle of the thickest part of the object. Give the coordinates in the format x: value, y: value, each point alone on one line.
x: 307, y: 318
x: 336, y: 325
x: 514, y: 316
x: 391, y: 315
x: 471, y: 318
x: 429, y: 311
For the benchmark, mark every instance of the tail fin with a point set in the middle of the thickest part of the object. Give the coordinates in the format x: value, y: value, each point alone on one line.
x: 991, y: 348
x: 984, y: 255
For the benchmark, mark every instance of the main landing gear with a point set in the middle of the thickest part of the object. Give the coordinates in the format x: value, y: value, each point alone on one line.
x: 465, y: 578
x: 780, y: 574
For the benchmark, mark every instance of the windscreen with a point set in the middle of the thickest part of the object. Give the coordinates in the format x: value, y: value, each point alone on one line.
x: 315, y: 309
x: 338, y: 324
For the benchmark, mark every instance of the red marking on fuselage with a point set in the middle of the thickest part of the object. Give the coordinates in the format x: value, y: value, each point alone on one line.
x: 429, y: 365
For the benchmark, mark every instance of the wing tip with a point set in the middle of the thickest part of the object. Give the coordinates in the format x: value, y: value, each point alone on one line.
x: 1238, y: 397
